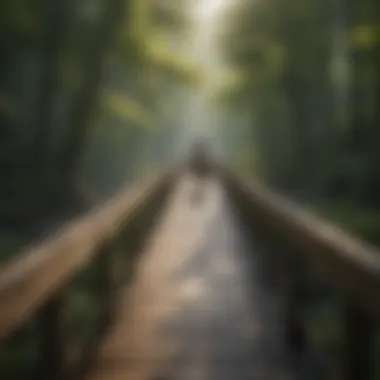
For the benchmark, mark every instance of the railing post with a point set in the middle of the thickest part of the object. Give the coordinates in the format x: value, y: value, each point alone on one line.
x: 270, y: 256
x: 52, y: 342
x: 359, y: 329
x: 131, y: 240
x: 294, y: 325
x: 107, y: 286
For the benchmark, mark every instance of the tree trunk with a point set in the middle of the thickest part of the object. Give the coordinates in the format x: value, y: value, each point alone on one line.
x: 87, y: 102
x: 298, y: 97
x: 59, y: 14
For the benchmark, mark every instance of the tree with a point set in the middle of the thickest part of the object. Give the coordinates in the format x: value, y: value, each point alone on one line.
x: 58, y: 17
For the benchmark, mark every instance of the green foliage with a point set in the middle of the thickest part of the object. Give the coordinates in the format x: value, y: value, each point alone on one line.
x: 126, y: 109
x: 293, y: 62
x: 178, y: 67
x: 21, y: 21
x: 364, y: 37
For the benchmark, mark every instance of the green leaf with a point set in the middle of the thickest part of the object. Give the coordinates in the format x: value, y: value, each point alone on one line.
x: 127, y: 108
x: 364, y: 37
x: 180, y: 67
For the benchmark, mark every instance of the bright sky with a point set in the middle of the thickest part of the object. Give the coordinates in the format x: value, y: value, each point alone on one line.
x: 203, y: 48
x: 208, y: 8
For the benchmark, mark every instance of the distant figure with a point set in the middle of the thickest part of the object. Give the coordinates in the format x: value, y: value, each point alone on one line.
x: 199, y: 164
x: 199, y: 167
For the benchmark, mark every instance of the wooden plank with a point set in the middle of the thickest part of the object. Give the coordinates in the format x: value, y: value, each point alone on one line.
x: 134, y: 347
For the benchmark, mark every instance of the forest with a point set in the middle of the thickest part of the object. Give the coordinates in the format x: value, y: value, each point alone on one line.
x: 86, y: 106
x: 86, y: 103
x: 303, y: 95
x: 299, y: 108
x: 93, y: 95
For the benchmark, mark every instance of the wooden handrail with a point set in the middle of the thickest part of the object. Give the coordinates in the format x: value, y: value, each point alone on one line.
x: 350, y: 264
x: 36, y: 274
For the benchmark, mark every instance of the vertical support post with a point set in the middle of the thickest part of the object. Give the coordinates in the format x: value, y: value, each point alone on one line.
x: 359, y: 329
x: 107, y: 287
x: 127, y: 241
x: 269, y: 256
x: 132, y: 237
x: 295, y: 330
x: 52, y: 341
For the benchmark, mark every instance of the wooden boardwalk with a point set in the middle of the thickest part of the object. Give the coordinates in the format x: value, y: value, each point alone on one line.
x: 197, y: 308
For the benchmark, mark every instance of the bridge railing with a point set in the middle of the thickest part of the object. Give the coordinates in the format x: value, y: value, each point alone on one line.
x: 302, y: 242
x: 35, y: 288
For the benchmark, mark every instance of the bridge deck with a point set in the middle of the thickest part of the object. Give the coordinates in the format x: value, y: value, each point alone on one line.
x: 196, y: 309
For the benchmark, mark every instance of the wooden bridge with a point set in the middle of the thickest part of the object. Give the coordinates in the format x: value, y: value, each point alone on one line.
x: 213, y: 288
